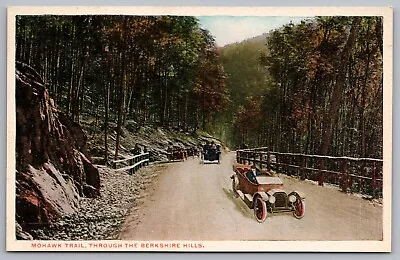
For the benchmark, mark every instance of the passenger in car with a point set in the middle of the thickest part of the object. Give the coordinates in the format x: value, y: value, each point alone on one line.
x: 251, y: 175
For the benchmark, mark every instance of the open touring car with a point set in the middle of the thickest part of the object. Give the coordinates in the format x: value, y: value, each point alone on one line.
x: 264, y: 193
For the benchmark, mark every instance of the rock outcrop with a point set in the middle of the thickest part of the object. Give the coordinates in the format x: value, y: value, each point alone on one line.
x: 53, y: 169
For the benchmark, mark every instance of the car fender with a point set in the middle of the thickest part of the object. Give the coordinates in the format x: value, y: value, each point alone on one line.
x: 298, y: 194
x: 234, y: 167
x: 235, y: 178
x: 262, y: 194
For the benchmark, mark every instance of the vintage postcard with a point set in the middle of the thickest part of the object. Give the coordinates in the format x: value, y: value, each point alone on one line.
x: 199, y: 129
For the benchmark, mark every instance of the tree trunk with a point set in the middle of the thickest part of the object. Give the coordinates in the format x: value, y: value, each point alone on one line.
x: 107, y: 104
x: 121, y: 102
x: 331, y: 117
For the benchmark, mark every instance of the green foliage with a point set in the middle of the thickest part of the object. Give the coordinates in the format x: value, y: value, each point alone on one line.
x: 246, y: 77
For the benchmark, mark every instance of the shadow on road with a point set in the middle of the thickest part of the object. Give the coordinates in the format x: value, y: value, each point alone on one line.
x: 240, y: 205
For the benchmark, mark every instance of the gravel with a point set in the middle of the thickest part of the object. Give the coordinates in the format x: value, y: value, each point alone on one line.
x: 101, y: 218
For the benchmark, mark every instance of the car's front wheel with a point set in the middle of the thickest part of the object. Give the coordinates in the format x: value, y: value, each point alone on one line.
x: 299, y: 208
x: 260, y: 209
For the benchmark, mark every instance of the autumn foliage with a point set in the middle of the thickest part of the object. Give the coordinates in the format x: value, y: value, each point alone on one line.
x: 323, y: 89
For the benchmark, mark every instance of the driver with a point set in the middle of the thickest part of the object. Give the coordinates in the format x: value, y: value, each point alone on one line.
x: 206, y: 147
x: 251, y: 175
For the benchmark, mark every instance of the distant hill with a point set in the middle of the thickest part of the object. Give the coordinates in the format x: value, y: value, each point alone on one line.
x: 245, y: 75
x: 260, y: 38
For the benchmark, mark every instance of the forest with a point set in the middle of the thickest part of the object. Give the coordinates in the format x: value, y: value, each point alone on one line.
x: 315, y: 87
x: 162, y: 71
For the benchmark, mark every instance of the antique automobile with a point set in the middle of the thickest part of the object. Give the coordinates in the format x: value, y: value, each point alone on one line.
x: 192, y: 151
x: 264, y: 193
x: 211, y: 153
x: 176, y: 154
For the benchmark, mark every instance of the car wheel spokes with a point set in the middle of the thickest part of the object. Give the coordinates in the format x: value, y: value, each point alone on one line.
x: 299, y: 208
x: 260, y: 209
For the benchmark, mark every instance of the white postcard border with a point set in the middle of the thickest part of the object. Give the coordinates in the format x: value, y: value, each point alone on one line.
x: 206, y: 246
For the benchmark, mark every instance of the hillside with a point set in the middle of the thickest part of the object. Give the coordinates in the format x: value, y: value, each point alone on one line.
x: 156, y: 140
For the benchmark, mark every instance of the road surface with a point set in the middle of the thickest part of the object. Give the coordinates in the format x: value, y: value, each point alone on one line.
x: 192, y: 201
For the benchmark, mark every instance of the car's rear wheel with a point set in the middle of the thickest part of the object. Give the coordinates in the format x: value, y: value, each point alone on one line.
x: 260, y: 209
x: 299, y: 208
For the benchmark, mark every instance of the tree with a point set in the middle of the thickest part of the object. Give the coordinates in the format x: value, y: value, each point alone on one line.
x: 332, y: 116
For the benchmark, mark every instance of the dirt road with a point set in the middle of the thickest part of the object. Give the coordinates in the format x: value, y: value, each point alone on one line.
x: 192, y: 201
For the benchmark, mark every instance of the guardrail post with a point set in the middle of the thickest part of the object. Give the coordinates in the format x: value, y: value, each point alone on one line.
x: 361, y: 180
x: 302, y: 168
x: 321, y: 173
x: 374, y: 182
x: 345, y: 176
x: 268, y: 161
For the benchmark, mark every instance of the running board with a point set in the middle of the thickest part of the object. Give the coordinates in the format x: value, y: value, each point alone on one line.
x: 247, y: 198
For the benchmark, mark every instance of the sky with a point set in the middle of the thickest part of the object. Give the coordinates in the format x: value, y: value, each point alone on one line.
x: 230, y: 29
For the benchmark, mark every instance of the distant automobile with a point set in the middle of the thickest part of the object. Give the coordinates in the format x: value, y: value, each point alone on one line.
x: 192, y: 151
x: 176, y: 154
x: 264, y: 193
x: 211, y: 153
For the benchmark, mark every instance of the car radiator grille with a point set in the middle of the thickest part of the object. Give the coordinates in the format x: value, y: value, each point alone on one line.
x: 280, y: 200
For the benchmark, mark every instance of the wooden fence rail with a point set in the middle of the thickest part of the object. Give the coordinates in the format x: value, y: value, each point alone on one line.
x: 132, y: 163
x: 362, y: 175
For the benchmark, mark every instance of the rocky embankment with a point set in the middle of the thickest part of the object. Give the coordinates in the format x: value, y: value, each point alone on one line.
x: 101, y: 218
x: 53, y: 168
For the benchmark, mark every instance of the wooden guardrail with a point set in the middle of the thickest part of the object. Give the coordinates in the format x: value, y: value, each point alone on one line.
x: 362, y: 175
x: 134, y: 162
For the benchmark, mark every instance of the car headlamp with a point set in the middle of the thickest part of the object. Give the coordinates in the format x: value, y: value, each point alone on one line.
x: 271, y: 199
x: 292, y: 198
